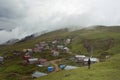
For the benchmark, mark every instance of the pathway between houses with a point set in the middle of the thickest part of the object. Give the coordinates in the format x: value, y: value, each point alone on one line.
x: 54, y: 62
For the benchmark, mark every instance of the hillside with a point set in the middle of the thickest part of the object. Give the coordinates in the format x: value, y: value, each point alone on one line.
x: 99, y: 41
x: 109, y: 70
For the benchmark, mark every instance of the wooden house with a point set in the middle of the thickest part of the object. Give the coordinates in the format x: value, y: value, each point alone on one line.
x: 60, y: 47
x: 55, y: 53
x: 26, y: 57
x: 38, y: 74
x: 17, y: 53
x: 24, y: 50
x: 55, y: 42
x: 30, y: 50
x: 36, y: 50
x: 68, y: 41
x: 93, y: 60
x: 66, y: 49
x: 33, y: 60
x: 1, y: 59
x: 43, y: 61
x: 80, y: 58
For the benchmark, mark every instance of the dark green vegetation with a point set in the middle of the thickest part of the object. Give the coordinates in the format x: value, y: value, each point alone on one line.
x: 99, y: 41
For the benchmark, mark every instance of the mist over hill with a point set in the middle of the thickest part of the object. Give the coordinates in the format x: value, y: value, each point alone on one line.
x: 26, y: 17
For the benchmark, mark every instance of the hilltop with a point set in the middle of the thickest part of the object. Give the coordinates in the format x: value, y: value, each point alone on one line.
x: 102, y: 40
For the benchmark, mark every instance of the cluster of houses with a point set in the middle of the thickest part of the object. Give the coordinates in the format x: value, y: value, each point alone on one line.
x: 31, y: 60
x: 84, y: 59
x: 51, y: 45
x: 54, y: 47
x: 51, y: 69
x: 77, y: 58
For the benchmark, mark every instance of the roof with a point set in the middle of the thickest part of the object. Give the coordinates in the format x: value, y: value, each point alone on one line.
x: 40, y: 65
x: 70, y: 67
x: 66, y: 48
x: 79, y: 56
x: 50, y: 67
x: 38, y: 74
x: 27, y: 56
x: 1, y: 58
x: 92, y: 59
x: 43, y: 60
x: 61, y: 46
x: 33, y: 59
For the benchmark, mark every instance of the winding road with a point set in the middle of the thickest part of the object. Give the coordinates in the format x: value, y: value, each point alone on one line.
x: 55, y: 64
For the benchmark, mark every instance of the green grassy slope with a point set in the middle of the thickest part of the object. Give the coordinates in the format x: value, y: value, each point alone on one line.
x: 99, y: 37
x: 109, y: 70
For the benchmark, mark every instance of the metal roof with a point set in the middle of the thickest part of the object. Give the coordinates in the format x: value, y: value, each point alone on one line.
x: 38, y: 74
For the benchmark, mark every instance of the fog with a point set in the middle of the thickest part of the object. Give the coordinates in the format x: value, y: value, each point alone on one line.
x: 19, y: 18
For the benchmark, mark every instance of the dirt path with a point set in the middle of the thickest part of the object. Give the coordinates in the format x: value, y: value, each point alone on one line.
x: 55, y: 63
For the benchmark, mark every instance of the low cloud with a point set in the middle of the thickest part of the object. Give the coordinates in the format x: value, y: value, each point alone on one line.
x: 25, y: 17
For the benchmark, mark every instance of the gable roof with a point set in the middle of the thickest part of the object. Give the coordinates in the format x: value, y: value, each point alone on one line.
x: 77, y: 56
x: 1, y: 58
x: 38, y: 74
x: 92, y: 59
x: 70, y: 67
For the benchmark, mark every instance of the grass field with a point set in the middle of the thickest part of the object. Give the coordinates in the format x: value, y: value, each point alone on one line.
x: 109, y: 70
x: 98, y: 37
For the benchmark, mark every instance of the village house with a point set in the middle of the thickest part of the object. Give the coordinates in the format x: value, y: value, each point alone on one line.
x: 27, y: 53
x: 16, y: 53
x: 1, y: 59
x: 66, y: 49
x: 38, y: 74
x: 36, y: 50
x: 55, y: 42
x: 80, y: 58
x: 30, y: 50
x: 24, y: 50
x: 43, y: 61
x: 62, y: 66
x: 93, y: 60
x: 40, y: 65
x: 55, y: 53
x: 43, y: 44
x: 60, y: 47
x: 68, y: 41
x: 33, y: 60
x: 47, y: 47
x: 26, y: 57
x: 50, y: 68
x: 72, y: 59
x: 68, y: 67
x: 52, y: 46
x: 27, y: 50
x: 41, y: 47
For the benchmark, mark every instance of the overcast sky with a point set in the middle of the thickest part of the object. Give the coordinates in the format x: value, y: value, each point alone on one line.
x: 19, y: 18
